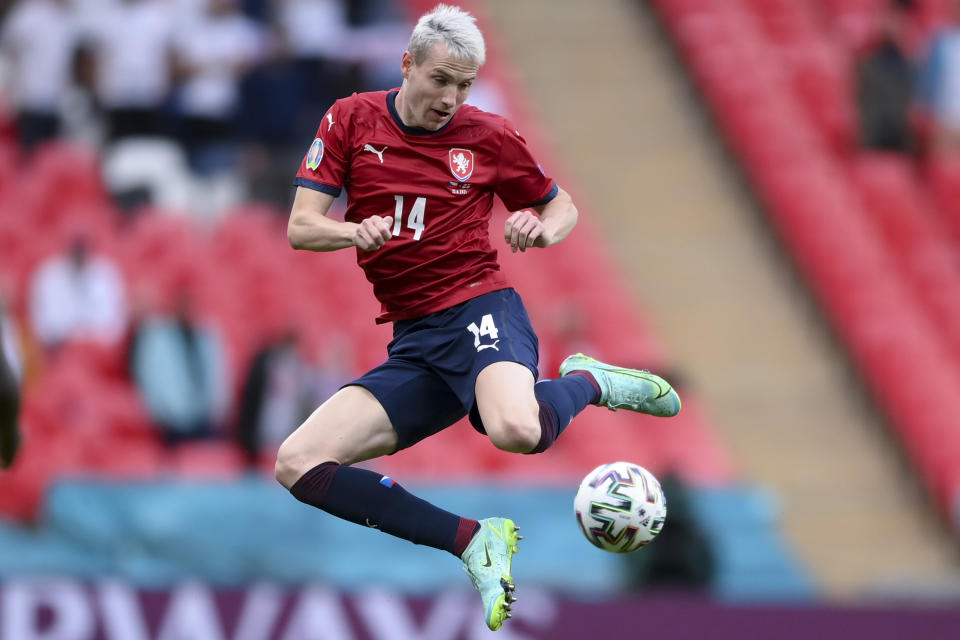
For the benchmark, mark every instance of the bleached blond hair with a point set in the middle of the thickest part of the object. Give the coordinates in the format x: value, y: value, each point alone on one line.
x: 451, y: 26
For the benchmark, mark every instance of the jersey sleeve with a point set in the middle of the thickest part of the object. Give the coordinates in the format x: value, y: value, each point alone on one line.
x: 325, y: 164
x: 521, y: 181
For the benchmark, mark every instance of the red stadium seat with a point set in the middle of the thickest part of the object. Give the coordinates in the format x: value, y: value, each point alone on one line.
x: 214, y: 459
x: 943, y: 178
x: 873, y: 251
x: 129, y: 459
x: 101, y: 361
x: 916, y: 236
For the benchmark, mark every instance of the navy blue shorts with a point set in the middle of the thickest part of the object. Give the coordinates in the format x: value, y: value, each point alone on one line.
x: 429, y: 379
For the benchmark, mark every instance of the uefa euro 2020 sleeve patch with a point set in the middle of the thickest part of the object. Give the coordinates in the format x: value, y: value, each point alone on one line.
x: 315, y: 155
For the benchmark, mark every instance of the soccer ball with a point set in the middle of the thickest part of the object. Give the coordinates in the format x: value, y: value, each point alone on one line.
x: 620, y: 507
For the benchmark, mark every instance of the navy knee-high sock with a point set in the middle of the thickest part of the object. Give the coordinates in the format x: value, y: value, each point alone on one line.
x: 560, y: 400
x: 368, y: 498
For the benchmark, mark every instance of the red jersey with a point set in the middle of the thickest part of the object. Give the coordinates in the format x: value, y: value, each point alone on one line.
x: 439, y: 188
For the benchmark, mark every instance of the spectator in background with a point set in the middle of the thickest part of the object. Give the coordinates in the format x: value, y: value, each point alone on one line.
x: 9, y: 412
x: 681, y: 556
x: 258, y: 10
x: 213, y: 55
x: 940, y: 83
x: 131, y: 47
x: 9, y: 392
x: 377, y: 30
x: 274, y: 397
x: 316, y: 30
x: 41, y: 65
x: 77, y: 294
x: 271, y: 106
x: 333, y: 364
x: 10, y: 335
x: 341, y: 46
x: 287, y: 379
x: 885, y: 83
x: 180, y: 370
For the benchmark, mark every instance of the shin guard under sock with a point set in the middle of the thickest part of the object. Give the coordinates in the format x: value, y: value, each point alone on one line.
x: 560, y: 400
x: 373, y: 500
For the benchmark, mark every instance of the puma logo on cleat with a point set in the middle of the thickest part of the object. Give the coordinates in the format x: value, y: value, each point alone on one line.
x: 379, y: 154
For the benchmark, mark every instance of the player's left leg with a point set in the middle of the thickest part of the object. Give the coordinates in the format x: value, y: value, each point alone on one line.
x: 387, y: 409
x: 524, y: 417
x: 624, y: 388
x: 360, y: 422
x: 492, y: 367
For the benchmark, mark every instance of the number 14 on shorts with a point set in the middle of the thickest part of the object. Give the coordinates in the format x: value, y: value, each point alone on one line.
x: 487, y: 330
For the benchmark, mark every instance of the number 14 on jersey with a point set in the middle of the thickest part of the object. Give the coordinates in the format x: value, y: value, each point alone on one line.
x: 414, y: 219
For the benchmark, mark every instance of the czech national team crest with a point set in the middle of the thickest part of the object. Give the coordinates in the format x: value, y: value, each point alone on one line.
x: 315, y: 155
x: 461, y: 164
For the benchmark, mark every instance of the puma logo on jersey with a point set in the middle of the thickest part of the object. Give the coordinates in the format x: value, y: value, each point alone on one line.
x: 488, y: 346
x: 330, y: 119
x: 370, y: 148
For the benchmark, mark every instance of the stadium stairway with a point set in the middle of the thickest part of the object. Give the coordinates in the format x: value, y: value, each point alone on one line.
x: 735, y: 319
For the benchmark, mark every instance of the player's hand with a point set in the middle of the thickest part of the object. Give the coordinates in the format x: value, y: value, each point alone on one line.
x: 373, y: 233
x: 523, y: 230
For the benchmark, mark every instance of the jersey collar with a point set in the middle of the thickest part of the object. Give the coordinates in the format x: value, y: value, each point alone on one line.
x: 414, y: 131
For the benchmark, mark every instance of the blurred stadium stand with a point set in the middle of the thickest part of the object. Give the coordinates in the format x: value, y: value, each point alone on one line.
x: 162, y: 532
x: 96, y: 493
x: 865, y: 228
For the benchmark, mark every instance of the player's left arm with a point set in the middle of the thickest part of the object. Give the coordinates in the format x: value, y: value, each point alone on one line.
x: 551, y: 223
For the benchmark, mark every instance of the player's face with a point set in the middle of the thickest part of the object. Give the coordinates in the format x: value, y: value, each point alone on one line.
x: 433, y: 90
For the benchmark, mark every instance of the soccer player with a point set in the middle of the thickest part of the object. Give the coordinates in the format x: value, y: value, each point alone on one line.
x: 421, y: 169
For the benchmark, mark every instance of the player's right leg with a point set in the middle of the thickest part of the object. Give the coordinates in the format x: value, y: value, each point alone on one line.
x: 352, y: 426
x: 390, y: 408
x: 349, y: 427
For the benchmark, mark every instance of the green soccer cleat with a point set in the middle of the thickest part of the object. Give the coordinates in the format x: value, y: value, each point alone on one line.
x: 487, y: 561
x: 622, y: 388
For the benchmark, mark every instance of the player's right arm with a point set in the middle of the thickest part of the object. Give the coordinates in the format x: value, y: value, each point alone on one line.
x: 322, y: 173
x: 310, y: 229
